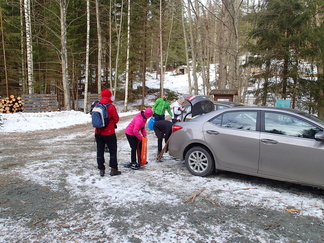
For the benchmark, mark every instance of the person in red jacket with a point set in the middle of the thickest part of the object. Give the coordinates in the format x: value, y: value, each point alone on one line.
x: 107, y: 135
x: 135, y: 131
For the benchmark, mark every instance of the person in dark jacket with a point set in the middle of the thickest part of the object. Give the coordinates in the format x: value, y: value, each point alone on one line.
x: 162, y: 129
x: 107, y: 135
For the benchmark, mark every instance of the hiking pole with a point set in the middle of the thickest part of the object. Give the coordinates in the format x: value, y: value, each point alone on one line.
x: 159, y: 157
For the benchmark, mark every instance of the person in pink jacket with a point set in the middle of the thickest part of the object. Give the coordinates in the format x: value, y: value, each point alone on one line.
x: 135, y: 131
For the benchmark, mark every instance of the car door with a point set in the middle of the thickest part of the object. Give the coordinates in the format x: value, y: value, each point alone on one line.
x: 234, y: 139
x: 288, y: 149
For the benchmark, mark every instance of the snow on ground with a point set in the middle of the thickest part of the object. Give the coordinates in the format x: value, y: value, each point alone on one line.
x: 255, y: 195
x: 23, y: 122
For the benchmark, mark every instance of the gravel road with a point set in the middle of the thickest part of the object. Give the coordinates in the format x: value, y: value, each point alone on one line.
x: 50, y: 191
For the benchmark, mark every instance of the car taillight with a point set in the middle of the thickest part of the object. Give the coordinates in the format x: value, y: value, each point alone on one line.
x: 176, y: 128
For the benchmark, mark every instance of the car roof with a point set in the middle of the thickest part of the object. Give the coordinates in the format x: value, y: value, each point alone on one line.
x: 228, y: 103
x: 265, y: 108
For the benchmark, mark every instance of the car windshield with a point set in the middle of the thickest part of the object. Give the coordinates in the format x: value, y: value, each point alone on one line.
x: 219, y: 107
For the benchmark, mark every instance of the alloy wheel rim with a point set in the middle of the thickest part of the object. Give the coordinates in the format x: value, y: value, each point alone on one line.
x: 198, y: 161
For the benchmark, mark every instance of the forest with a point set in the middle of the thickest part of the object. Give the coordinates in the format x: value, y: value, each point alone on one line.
x: 271, y: 49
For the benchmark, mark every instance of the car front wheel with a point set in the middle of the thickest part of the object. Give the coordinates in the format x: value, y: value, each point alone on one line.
x: 199, y: 161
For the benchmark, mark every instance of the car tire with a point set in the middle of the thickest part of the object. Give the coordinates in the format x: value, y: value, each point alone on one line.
x: 199, y: 162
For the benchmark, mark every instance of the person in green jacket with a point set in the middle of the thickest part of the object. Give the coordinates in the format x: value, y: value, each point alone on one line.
x: 160, y: 106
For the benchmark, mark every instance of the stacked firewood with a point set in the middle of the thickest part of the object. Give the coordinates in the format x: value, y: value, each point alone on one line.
x: 11, y: 104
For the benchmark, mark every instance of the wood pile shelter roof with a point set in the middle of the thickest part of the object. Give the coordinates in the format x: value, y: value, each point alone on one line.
x: 223, y: 91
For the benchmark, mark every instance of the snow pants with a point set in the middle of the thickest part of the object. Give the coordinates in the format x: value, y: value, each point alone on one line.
x: 133, y: 143
x: 111, y: 141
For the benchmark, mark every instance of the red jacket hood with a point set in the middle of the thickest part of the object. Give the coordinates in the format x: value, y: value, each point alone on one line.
x: 105, y: 100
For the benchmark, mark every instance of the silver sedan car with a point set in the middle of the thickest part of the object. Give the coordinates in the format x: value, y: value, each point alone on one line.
x: 275, y: 143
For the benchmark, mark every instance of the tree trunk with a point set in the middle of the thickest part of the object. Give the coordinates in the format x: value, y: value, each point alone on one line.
x: 86, y: 84
x: 222, y: 69
x: 99, y: 46
x: 267, y: 75
x: 169, y: 38
x: 144, y: 57
x: 4, y: 54
x: 237, y: 79
x: 320, y: 71
x: 118, y: 46
x: 285, y: 77
x: 29, y: 44
x: 110, y: 47
x: 127, y: 56
x: 22, y: 49
x: 321, y: 92
x: 193, y: 52
x: 161, y: 51
x: 200, y: 48
x: 64, y: 56
x: 186, y: 48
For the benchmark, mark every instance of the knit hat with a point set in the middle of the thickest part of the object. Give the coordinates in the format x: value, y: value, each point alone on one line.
x: 148, y: 112
x: 106, y: 93
x: 165, y: 94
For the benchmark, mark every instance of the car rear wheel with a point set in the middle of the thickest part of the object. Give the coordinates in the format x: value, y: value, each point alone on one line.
x: 199, y: 161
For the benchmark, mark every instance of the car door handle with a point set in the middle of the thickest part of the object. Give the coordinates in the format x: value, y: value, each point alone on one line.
x: 212, y: 132
x: 269, y: 141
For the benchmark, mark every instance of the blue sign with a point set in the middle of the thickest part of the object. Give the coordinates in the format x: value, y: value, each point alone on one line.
x: 283, y: 103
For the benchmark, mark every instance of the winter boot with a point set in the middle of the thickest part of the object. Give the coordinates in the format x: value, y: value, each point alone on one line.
x: 102, y: 172
x: 135, y: 166
x: 114, y: 172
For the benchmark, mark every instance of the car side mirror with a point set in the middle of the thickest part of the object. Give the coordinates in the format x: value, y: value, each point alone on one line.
x: 319, y: 136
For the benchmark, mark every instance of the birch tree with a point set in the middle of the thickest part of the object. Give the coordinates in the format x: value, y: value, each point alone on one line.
x: 235, y: 52
x: 99, y: 46
x: 119, y: 31
x: 29, y: 47
x: 110, y: 46
x: 144, y: 51
x: 186, y: 47
x: 22, y: 47
x: 161, y: 49
x: 200, y: 47
x: 317, y: 50
x: 222, y: 70
x: 193, y: 50
x: 85, y: 105
x: 320, y: 61
x: 127, y: 56
x: 64, y: 55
